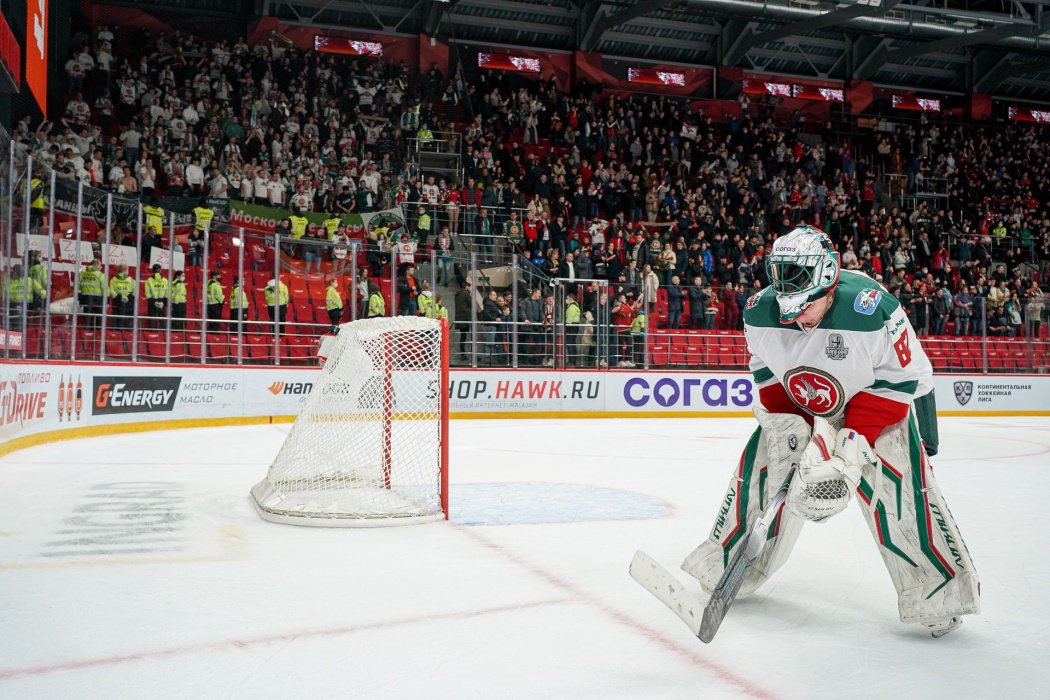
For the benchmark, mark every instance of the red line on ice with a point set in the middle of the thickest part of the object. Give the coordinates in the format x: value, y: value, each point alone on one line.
x: 261, y: 641
x: 724, y: 674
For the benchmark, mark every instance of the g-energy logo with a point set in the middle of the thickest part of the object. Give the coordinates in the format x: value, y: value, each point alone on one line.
x: 134, y: 394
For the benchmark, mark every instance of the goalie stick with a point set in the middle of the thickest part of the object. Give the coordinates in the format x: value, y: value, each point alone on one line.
x: 669, y: 591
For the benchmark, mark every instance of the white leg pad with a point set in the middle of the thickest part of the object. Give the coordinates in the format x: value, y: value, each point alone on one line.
x: 761, y: 471
x: 917, y: 536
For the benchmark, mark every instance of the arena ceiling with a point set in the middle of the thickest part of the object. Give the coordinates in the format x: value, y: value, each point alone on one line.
x: 998, y: 47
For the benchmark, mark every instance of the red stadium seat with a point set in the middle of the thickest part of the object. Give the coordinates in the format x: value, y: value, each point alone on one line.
x: 679, y: 350
x: 218, y: 347
x: 178, y: 347
x: 258, y: 348
x: 116, y: 347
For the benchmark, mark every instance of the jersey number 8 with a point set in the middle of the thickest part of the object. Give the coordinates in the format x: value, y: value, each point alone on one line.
x: 903, y: 351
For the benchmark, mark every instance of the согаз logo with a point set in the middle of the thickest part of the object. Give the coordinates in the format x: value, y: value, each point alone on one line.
x: 134, y: 394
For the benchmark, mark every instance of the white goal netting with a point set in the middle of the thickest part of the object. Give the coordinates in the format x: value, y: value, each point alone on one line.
x: 368, y: 447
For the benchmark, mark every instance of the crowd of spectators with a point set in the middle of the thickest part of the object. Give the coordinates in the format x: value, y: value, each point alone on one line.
x: 648, y: 193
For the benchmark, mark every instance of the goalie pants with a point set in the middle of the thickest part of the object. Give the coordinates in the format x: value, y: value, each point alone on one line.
x: 908, y: 517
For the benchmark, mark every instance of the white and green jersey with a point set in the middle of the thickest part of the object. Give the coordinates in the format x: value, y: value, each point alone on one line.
x: 862, y: 361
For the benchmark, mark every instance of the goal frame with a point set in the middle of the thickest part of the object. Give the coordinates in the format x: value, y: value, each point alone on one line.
x: 329, y: 521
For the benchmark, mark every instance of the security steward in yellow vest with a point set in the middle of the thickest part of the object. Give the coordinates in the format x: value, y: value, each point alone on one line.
x: 178, y: 300
x: 298, y: 225
x: 431, y: 308
x: 21, y: 287
x: 334, y: 303
x: 38, y: 270
x: 36, y: 203
x: 572, y: 329
x: 426, y: 136
x: 216, y: 300
x: 90, y: 292
x: 238, y: 300
x: 122, y: 299
x: 376, y: 303
x: 423, y: 226
x: 331, y: 226
x: 202, y: 216
x: 157, y: 295
x: 154, y: 217
x: 638, y: 335
x: 276, y: 294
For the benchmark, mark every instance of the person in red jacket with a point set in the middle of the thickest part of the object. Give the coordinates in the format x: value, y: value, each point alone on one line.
x: 730, y: 309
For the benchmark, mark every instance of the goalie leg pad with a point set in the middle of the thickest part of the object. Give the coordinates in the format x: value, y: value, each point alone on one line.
x: 918, y: 538
x: 751, y: 489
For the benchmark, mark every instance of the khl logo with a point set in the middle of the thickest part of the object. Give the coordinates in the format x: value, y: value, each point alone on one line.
x: 963, y: 392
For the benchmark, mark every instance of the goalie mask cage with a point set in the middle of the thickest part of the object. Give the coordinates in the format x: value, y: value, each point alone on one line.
x: 370, y: 445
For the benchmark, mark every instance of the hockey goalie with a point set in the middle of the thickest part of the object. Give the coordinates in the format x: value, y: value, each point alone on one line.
x: 845, y: 394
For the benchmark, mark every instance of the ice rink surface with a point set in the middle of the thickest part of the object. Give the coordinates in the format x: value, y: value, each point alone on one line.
x: 524, y: 595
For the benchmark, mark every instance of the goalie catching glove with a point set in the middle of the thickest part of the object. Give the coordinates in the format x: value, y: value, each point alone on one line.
x: 829, y: 472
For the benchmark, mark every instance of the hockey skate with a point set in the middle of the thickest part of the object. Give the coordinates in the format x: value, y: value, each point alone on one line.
x: 942, y: 627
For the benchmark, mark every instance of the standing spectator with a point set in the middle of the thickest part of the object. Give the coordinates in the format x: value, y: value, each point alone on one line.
x: 572, y: 330
x: 730, y: 310
x: 939, y: 311
x: 462, y: 304
x: 491, y: 314
x: 443, y: 245
x: 922, y: 311
x: 674, y: 303
x: 963, y: 311
x: 407, y: 292
x: 697, y: 303
x: 531, y: 318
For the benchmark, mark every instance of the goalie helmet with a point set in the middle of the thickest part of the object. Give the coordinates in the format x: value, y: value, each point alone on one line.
x: 802, y: 267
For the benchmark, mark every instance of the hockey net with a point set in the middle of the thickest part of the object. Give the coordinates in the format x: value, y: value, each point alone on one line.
x: 370, y: 445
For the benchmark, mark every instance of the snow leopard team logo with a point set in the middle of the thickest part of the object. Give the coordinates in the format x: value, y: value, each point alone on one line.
x: 815, y: 391
x: 836, y: 349
x: 963, y: 392
x: 867, y: 301
x: 753, y: 301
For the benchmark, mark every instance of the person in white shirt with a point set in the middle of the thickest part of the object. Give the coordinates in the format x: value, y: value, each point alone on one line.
x: 116, y: 172
x: 430, y: 192
x: 195, y: 177
x: 190, y: 115
x: 105, y: 34
x: 85, y: 59
x: 105, y: 58
x: 276, y: 191
x: 261, y: 186
x: 371, y: 179
x: 219, y: 185
x: 242, y: 182
x: 147, y: 177
x: 78, y: 110
x: 178, y: 128
x: 75, y: 71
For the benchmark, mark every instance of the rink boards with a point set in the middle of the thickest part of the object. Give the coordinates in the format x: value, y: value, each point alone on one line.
x: 54, y: 401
